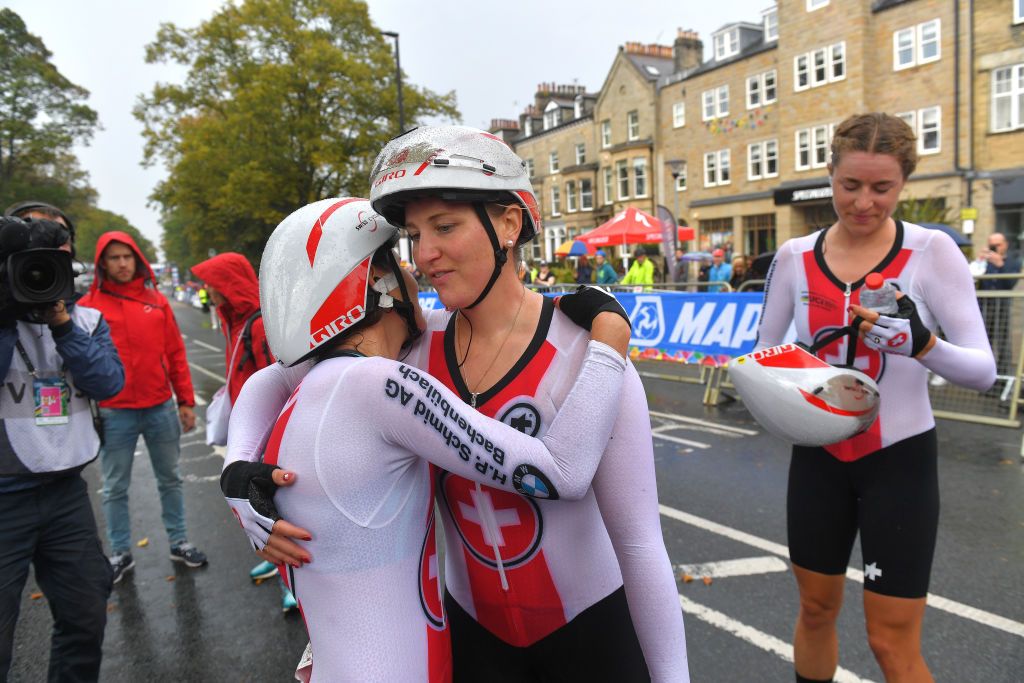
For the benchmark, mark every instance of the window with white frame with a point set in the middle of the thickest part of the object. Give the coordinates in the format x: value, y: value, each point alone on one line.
x: 927, y: 126
x: 633, y: 126
x: 1018, y: 11
x: 528, y: 127
x: 529, y: 168
x: 553, y: 161
x: 717, y: 168
x: 606, y: 134
x: 577, y: 107
x: 640, y: 177
x: 770, y: 18
x: 679, y: 114
x: 570, y: 196
x: 622, y: 172
x: 586, y: 195
x: 819, y: 67
x: 581, y: 154
x: 1008, y: 98
x: 727, y: 44
x: 552, y: 115
x: 815, y: 4
x: 916, y: 45
x: 556, y: 200
x: 681, y: 179
x: 812, y: 146
x: 607, y: 177
x: 763, y: 159
x: 716, y: 102
x: 761, y: 89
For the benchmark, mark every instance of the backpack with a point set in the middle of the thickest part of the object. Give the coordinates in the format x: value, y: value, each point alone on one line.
x: 248, y: 354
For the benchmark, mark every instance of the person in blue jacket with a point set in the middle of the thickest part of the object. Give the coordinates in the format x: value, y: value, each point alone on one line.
x: 53, y: 360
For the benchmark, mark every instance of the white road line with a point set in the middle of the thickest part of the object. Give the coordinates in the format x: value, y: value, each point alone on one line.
x: 211, y: 347
x: 755, y: 637
x: 676, y: 439
x: 208, y: 373
x: 748, y: 566
x: 705, y: 423
x: 936, y: 601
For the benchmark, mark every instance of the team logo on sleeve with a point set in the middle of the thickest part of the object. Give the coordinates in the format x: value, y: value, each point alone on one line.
x: 487, y: 518
x: 530, y: 481
x: 524, y: 417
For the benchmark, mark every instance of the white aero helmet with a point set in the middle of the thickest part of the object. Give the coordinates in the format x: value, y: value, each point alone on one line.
x: 455, y: 164
x: 315, y: 275
x: 802, y: 399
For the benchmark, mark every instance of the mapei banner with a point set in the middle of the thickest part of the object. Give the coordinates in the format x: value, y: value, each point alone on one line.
x: 684, y: 327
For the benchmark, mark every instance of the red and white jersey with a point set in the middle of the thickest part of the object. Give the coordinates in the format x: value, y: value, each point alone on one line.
x: 359, y: 434
x: 925, y: 265
x: 525, y: 567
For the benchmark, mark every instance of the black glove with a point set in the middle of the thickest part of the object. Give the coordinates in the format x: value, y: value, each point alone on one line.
x: 583, y: 305
x: 902, y: 333
x: 249, y: 490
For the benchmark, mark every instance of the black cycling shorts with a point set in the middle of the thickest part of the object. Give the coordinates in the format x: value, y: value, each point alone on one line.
x: 600, y: 644
x: 891, y: 496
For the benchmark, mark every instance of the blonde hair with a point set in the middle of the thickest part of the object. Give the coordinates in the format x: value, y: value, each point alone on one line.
x: 877, y: 133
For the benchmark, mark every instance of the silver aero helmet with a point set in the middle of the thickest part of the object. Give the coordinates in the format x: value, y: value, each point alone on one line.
x: 802, y: 399
x: 315, y: 274
x: 455, y: 164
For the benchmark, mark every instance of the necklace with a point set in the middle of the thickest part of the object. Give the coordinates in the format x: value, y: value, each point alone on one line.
x: 475, y: 392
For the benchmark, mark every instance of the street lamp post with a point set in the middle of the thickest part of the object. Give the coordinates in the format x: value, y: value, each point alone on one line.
x: 398, y: 79
x: 678, y: 168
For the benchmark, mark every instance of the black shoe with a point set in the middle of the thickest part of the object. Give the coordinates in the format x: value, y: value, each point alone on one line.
x: 189, y: 554
x: 121, y: 563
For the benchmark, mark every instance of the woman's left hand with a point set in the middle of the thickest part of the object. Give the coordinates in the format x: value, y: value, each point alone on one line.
x: 903, y: 333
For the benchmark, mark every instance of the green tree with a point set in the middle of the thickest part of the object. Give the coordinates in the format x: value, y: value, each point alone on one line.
x: 42, y: 116
x: 285, y: 102
x: 926, y: 210
x: 93, y: 222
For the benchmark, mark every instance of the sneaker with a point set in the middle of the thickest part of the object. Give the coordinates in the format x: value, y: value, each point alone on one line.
x: 264, y: 570
x: 189, y: 554
x: 121, y: 563
x: 288, y: 602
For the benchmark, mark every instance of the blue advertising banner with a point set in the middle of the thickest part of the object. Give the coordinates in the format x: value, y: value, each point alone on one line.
x: 684, y: 327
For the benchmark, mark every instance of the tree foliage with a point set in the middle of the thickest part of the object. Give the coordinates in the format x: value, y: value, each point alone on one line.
x: 93, y: 222
x: 285, y: 102
x: 42, y: 116
x: 927, y: 210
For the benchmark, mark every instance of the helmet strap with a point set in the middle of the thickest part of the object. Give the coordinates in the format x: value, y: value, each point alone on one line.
x: 404, y: 307
x: 852, y: 331
x: 500, y: 255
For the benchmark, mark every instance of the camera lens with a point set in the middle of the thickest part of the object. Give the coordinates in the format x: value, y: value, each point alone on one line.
x: 38, y: 276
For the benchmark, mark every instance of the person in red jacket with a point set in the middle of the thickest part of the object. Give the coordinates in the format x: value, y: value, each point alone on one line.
x: 235, y: 292
x: 147, y: 338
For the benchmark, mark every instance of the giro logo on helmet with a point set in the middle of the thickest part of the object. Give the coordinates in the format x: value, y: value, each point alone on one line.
x: 336, y: 326
x: 391, y: 175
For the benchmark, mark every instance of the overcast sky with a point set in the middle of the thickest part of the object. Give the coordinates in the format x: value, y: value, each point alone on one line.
x: 492, y: 55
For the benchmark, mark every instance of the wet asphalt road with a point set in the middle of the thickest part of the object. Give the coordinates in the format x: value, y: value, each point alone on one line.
x: 722, y: 487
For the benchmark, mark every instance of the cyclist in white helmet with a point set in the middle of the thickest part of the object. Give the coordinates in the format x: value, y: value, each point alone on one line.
x: 535, y: 590
x: 355, y: 430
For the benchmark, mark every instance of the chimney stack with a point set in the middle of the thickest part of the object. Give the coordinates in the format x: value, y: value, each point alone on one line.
x: 688, y: 51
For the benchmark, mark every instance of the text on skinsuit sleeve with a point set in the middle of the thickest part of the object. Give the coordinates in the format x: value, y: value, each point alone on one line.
x: 417, y: 393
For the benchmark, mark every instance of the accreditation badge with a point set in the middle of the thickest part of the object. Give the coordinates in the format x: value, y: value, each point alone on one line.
x: 52, y: 395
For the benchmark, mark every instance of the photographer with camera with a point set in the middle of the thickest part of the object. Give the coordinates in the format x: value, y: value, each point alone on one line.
x: 54, y: 358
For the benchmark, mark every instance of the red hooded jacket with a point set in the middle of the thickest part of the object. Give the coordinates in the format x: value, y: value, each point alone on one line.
x: 232, y: 277
x: 144, y: 331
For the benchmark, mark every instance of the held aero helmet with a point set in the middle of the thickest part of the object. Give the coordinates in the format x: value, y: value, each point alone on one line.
x: 315, y: 279
x: 802, y: 399
x: 455, y: 164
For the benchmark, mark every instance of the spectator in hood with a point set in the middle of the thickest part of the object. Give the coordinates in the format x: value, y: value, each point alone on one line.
x: 149, y: 342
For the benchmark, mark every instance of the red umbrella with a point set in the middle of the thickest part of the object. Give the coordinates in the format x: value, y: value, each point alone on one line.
x: 631, y: 226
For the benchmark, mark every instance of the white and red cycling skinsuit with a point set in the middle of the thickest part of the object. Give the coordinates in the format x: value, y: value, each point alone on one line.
x: 521, y: 567
x: 359, y: 433
x: 925, y: 265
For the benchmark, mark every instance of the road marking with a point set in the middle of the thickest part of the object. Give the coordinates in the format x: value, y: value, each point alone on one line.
x: 208, y: 373
x: 211, y: 347
x: 192, y: 478
x: 675, y: 439
x: 705, y: 423
x: 936, y: 601
x: 748, y: 566
x: 755, y: 637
